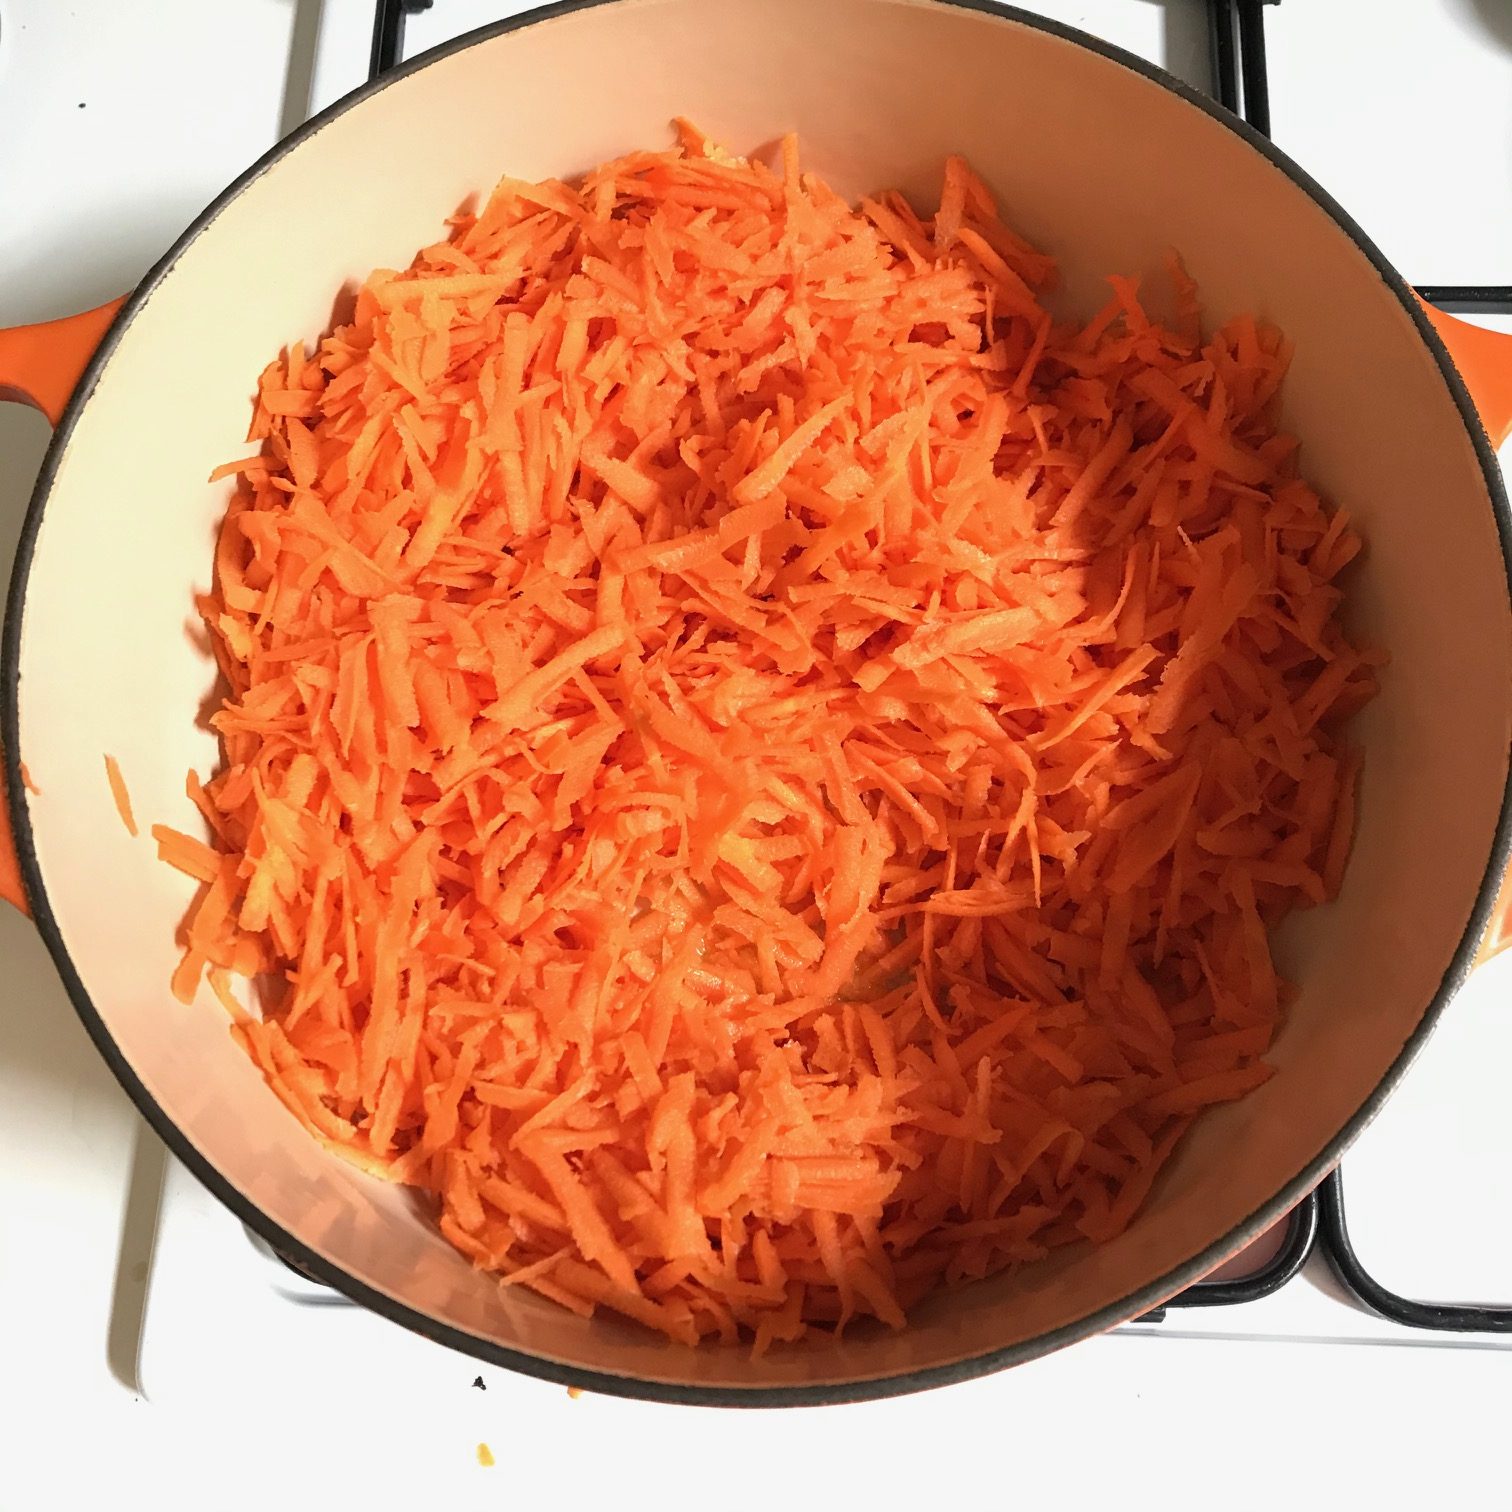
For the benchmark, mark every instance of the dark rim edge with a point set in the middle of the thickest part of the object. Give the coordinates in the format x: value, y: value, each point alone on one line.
x: 1146, y: 1298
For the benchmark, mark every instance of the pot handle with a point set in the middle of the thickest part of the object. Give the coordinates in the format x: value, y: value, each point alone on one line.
x: 1484, y: 360
x: 41, y: 365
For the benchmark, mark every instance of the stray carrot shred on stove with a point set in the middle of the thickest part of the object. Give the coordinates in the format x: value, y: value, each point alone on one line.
x: 761, y: 764
x: 119, y: 794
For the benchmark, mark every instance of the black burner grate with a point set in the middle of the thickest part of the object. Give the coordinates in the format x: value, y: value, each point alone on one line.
x: 1241, y: 83
x: 388, y: 33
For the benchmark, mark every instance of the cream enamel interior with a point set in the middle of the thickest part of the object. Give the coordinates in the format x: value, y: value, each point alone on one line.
x: 1102, y: 166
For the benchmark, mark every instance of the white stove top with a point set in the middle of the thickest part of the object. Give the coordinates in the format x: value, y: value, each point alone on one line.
x: 156, y: 1354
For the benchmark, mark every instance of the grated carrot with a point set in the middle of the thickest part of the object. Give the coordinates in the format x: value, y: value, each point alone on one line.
x: 759, y: 767
x: 120, y: 795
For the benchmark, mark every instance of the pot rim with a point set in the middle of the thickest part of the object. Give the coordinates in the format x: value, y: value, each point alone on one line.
x: 1135, y: 1303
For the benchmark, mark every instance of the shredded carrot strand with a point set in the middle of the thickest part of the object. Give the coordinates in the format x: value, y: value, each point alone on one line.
x: 120, y: 795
